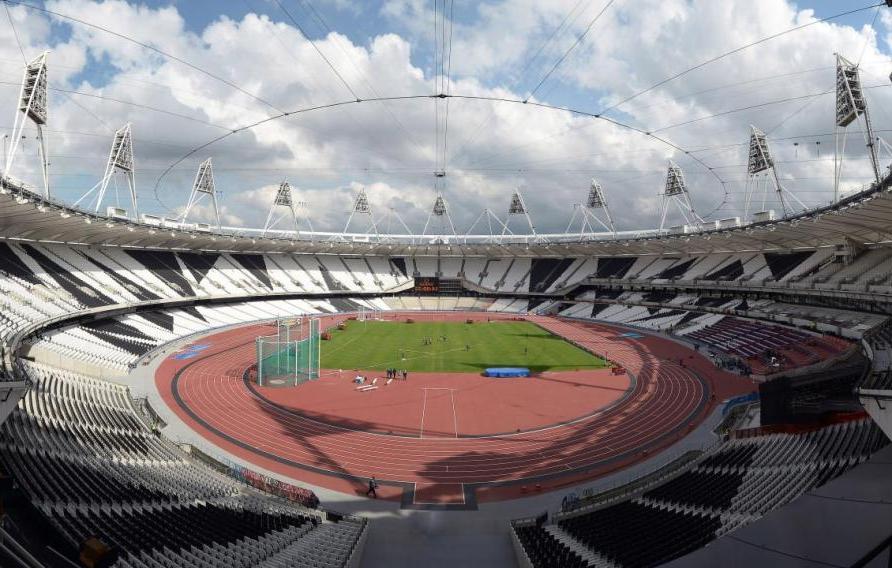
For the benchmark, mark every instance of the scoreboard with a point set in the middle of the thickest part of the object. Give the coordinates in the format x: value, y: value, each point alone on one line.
x: 427, y: 285
x: 436, y: 285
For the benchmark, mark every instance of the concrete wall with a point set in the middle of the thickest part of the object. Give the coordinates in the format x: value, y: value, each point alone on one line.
x: 49, y: 357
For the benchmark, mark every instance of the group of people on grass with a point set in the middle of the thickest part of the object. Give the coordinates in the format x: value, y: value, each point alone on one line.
x: 430, y: 340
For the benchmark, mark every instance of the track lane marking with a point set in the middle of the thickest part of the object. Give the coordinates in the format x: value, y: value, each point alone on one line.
x: 423, y: 408
x: 671, y: 390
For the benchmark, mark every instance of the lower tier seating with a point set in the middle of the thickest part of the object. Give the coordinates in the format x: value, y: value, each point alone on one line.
x: 733, y: 484
x: 87, y: 462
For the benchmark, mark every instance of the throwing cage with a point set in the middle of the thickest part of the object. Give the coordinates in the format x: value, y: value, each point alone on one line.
x: 366, y: 314
x: 290, y: 357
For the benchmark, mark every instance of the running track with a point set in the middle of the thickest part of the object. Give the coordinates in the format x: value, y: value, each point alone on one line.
x: 666, y: 402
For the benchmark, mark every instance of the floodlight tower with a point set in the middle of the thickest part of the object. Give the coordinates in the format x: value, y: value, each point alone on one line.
x: 441, y: 212
x: 851, y: 106
x: 32, y: 106
x: 284, y: 200
x: 120, y: 161
x: 762, y: 174
x: 587, y: 212
x: 515, y: 208
x: 676, y: 191
x: 202, y: 186
x: 362, y: 206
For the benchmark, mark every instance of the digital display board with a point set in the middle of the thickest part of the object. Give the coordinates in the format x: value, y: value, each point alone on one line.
x: 427, y: 285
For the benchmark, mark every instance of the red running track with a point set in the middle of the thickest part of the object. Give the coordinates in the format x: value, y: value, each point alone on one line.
x: 436, y: 405
x: 667, y: 399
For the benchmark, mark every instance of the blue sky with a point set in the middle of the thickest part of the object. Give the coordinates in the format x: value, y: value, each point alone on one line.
x: 361, y: 21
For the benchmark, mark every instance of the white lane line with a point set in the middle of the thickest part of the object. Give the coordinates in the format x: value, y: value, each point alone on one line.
x: 216, y: 382
x: 423, y: 407
x: 454, y: 417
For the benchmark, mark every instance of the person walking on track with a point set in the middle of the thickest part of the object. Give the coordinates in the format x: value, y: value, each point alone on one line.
x: 373, y: 486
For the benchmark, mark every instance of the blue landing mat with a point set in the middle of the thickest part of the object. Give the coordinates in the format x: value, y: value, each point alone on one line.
x: 507, y: 372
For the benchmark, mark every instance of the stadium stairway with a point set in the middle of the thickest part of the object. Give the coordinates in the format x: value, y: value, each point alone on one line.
x: 589, y: 556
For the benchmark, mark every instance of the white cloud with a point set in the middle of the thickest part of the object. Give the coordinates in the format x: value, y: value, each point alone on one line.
x: 389, y: 147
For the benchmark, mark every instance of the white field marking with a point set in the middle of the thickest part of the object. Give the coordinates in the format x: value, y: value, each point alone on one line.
x: 677, y: 393
x: 647, y: 365
x: 672, y: 378
x: 558, y: 426
x: 424, y: 355
x: 454, y: 417
x: 337, y: 348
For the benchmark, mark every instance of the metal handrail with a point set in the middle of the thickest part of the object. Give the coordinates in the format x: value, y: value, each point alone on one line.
x: 17, y: 551
x: 874, y: 552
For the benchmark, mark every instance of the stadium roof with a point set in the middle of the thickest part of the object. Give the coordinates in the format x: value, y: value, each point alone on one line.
x: 862, y: 219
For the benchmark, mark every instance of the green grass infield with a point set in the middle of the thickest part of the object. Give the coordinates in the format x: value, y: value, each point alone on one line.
x: 467, y: 347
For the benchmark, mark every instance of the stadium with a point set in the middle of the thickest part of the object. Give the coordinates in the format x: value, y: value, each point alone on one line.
x: 696, y: 371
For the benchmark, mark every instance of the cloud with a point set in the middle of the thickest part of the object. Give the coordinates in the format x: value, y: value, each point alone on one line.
x: 500, y: 49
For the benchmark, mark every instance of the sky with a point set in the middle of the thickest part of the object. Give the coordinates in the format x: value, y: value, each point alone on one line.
x: 268, y: 89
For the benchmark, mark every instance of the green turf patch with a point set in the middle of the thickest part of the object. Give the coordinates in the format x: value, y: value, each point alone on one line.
x: 467, y: 348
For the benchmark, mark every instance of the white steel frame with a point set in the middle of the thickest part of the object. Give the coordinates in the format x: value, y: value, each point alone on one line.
x: 203, y: 185
x: 285, y: 199
x: 762, y: 177
x: 676, y: 191
x: 588, y: 215
x: 32, y: 106
x: 120, y: 161
x: 361, y: 206
x: 851, y: 106
x: 440, y: 211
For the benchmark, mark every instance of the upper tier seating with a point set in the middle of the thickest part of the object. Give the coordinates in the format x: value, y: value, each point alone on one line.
x: 40, y: 281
